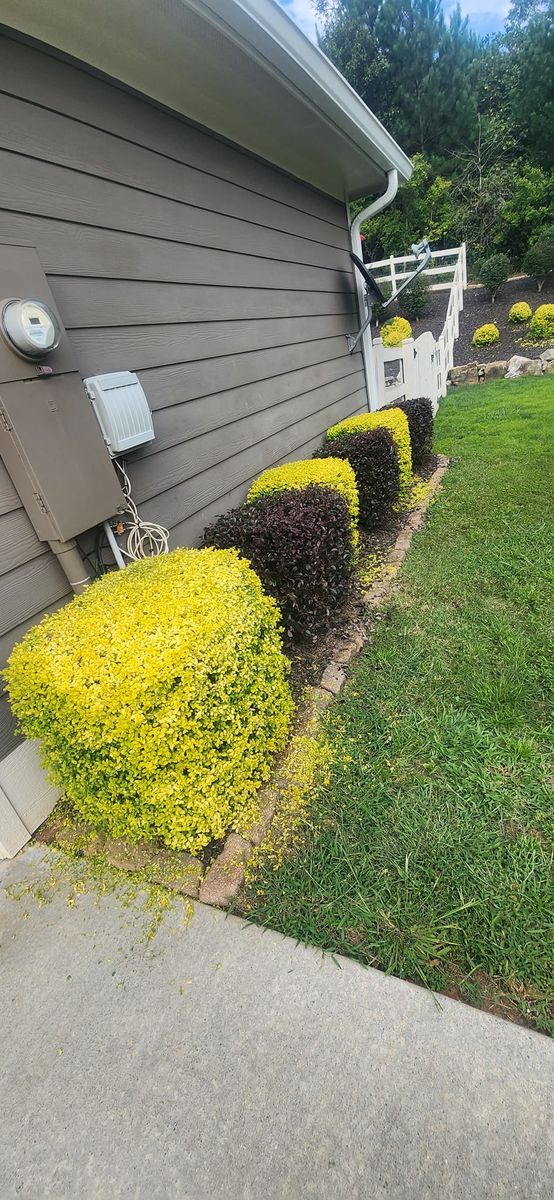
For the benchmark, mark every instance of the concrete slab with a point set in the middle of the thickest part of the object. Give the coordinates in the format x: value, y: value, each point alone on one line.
x: 221, y: 1060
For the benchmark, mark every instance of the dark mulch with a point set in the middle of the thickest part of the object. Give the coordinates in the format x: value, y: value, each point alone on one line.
x: 479, y: 310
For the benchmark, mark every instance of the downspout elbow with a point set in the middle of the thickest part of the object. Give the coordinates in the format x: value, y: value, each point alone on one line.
x: 372, y: 209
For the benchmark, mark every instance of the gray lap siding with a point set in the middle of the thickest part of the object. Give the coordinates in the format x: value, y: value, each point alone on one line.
x: 225, y: 284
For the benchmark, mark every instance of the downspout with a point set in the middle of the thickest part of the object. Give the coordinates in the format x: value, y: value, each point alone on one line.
x: 356, y: 243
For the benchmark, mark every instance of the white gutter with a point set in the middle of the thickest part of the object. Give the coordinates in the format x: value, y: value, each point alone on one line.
x: 356, y: 242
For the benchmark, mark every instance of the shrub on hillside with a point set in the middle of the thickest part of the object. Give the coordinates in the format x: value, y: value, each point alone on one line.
x: 520, y: 312
x: 159, y: 697
x: 300, y: 545
x: 415, y: 300
x: 395, y: 331
x: 374, y: 459
x: 493, y: 272
x: 486, y: 335
x: 389, y: 418
x: 539, y: 260
x: 293, y: 476
x: 541, y: 327
x: 421, y: 421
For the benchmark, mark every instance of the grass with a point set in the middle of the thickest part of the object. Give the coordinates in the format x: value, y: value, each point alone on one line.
x: 427, y: 850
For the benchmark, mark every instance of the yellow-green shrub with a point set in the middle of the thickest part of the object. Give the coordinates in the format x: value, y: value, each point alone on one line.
x: 542, y: 323
x: 395, y: 331
x: 328, y: 472
x: 390, y: 418
x: 520, y: 312
x: 159, y: 697
x: 486, y: 335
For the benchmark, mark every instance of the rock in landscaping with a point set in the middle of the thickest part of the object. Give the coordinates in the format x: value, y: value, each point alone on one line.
x: 547, y: 356
x: 468, y: 373
x: 225, y: 876
x: 347, y: 647
x: 519, y: 365
x: 333, y: 678
x: 492, y: 370
x: 259, y: 828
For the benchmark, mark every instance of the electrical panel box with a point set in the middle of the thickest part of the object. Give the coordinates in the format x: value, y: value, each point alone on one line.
x: 122, y: 411
x: 49, y: 438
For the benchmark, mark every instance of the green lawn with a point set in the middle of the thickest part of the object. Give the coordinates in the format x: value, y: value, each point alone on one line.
x: 428, y: 852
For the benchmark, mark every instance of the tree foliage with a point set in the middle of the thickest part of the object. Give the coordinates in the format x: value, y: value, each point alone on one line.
x: 476, y: 115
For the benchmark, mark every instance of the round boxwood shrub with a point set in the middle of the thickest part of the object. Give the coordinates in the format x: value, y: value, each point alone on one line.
x: 374, y: 459
x: 419, y: 413
x: 300, y: 545
x: 541, y: 327
x: 395, y: 331
x: 159, y: 697
x: 333, y: 473
x: 520, y: 312
x: 486, y: 335
x: 388, y: 418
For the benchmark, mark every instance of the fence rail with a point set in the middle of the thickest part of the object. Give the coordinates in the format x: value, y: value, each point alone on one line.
x: 420, y: 366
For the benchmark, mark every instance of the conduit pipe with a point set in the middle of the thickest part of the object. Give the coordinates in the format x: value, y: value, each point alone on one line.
x: 72, y: 564
x: 356, y: 242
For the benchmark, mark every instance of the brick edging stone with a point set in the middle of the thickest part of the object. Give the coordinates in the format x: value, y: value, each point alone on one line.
x: 225, y: 876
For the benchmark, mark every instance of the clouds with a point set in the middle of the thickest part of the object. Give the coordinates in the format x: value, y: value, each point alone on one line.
x: 485, y: 16
x: 302, y: 12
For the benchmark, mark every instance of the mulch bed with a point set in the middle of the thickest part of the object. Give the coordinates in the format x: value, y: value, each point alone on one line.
x: 479, y: 310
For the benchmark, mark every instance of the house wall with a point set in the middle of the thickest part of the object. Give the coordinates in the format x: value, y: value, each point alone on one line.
x: 223, y: 283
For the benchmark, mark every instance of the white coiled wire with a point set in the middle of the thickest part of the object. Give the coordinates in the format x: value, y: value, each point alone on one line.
x: 145, y: 539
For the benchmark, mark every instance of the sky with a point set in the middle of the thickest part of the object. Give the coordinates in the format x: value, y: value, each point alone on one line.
x: 485, y: 16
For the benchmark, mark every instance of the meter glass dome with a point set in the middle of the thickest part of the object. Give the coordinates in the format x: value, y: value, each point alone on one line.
x: 30, y: 327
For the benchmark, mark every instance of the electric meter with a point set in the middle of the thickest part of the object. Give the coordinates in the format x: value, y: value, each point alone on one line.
x: 30, y: 327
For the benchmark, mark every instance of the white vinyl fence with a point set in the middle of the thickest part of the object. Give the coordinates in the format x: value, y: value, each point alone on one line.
x: 420, y: 366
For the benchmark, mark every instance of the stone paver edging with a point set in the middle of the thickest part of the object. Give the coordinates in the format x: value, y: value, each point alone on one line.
x: 223, y: 879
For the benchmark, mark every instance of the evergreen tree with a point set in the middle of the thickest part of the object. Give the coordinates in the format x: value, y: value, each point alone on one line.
x: 411, y: 68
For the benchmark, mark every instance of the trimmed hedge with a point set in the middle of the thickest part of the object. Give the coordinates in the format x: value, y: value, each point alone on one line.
x: 300, y: 544
x: 159, y: 697
x: 395, y: 331
x: 486, y: 335
x: 389, y: 418
x: 419, y: 413
x: 374, y: 459
x: 332, y: 473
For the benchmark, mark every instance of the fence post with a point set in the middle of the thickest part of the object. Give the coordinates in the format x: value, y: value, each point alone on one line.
x: 392, y: 274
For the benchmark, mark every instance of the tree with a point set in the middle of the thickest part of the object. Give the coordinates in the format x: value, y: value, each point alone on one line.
x: 539, y: 260
x: 482, y: 185
x: 494, y: 272
x: 530, y: 42
x: 409, y: 66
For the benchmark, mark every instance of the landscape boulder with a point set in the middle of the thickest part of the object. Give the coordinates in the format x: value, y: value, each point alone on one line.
x: 518, y: 366
x: 492, y: 370
x: 468, y: 373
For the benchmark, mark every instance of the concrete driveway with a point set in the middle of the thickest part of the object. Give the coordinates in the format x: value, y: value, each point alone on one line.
x: 218, y: 1060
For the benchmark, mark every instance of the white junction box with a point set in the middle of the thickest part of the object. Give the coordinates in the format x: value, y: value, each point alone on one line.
x: 122, y: 410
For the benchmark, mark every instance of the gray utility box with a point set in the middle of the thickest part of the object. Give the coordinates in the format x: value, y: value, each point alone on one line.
x: 50, y: 440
